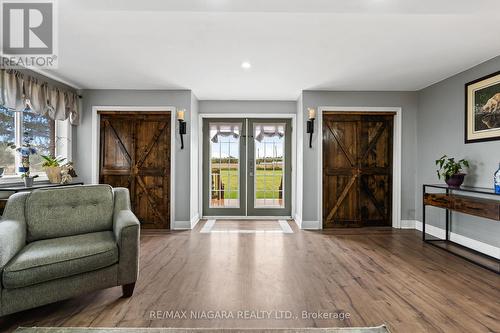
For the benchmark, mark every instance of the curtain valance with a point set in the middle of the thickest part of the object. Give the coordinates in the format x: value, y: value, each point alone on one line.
x: 23, y: 92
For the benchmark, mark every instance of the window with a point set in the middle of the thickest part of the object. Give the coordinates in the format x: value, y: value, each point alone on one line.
x: 7, y: 135
x: 42, y: 129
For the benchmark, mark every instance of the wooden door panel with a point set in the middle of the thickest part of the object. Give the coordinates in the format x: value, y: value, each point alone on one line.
x: 357, y: 170
x: 118, y: 142
x: 375, y: 199
x: 341, y: 192
x: 151, y: 151
x: 151, y: 204
x: 343, y: 144
x: 135, y: 153
x: 376, y: 143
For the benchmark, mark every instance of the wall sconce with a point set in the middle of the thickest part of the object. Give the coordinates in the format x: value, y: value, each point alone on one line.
x: 182, y: 125
x: 311, y: 113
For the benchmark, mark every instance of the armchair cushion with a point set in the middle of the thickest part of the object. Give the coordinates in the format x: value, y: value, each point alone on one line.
x: 56, y: 258
x: 69, y: 211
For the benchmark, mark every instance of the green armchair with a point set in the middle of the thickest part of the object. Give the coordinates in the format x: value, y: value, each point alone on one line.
x: 63, y: 242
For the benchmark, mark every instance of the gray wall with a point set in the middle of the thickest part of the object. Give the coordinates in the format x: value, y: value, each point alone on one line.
x: 408, y: 101
x: 441, y: 131
x: 180, y: 99
x: 245, y: 107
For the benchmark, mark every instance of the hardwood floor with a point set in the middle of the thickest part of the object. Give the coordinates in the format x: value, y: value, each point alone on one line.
x: 374, y: 275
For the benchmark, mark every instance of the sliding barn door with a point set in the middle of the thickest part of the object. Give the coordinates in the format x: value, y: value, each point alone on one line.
x: 357, y: 170
x: 135, y: 153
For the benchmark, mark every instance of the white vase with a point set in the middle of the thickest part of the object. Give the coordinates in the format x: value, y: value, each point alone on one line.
x: 28, y: 181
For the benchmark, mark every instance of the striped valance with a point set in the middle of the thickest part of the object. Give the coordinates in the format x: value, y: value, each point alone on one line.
x: 23, y: 92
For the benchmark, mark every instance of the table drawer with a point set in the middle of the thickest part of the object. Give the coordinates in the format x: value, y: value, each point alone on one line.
x: 438, y: 200
x: 486, y: 208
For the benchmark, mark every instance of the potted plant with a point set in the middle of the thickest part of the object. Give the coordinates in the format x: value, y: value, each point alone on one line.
x: 451, y: 171
x: 28, y: 180
x: 52, y: 167
x: 25, y: 150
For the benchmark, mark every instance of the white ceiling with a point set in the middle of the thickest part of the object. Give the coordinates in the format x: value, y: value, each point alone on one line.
x: 293, y: 45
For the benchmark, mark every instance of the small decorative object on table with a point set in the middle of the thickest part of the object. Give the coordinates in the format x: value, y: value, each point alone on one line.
x: 26, y: 150
x: 451, y: 171
x: 497, y: 180
x: 52, y: 167
x: 66, y: 173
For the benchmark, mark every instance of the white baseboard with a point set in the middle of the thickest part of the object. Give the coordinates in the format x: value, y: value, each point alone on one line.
x: 310, y: 225
x: 408, y: 224
x: 194, y: 220
x: 181, y: 225
x: 186, y: 225
x: 479, y: 246
x: 298, y: 220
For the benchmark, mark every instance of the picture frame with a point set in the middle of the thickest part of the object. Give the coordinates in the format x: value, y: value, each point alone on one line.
x: 482, y: 109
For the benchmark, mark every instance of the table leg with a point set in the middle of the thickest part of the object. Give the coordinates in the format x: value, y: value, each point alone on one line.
x: 447, y: 237
x: 423, y: 213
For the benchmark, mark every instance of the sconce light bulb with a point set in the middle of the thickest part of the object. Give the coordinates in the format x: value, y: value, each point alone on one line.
x: 311, y: 113
x: 181, y: 114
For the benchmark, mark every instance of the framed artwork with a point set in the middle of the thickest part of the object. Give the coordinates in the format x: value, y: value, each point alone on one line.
x: 482, y: 109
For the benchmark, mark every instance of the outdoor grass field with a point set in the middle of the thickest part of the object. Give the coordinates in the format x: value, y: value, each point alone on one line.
x: 268, y: 183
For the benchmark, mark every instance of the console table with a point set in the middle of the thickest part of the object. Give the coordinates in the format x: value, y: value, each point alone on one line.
x: 21, y: 188
x: 459, y: 200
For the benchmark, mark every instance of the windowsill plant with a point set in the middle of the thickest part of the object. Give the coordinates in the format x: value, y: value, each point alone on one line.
x: 52, y: 166
x: 26, y: 150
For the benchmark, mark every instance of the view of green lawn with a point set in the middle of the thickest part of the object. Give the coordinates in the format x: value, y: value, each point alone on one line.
x: 267, y: 187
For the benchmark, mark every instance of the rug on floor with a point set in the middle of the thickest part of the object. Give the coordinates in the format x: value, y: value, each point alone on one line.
x: 378, y: 329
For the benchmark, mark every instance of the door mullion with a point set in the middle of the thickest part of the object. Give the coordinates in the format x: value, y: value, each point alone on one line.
x: 246, y: 173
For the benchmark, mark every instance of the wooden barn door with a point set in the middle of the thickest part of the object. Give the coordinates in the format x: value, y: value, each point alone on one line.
x: 357, y: 169
x: 135, y: 153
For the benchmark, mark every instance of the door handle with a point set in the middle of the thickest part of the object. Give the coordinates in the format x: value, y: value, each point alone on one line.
x: 250, y: 167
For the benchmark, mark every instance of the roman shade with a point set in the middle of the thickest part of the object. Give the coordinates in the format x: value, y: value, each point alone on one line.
x: 224, y: 130
x: 268, y: 131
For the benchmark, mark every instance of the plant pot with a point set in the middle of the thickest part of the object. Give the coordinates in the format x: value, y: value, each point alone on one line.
x: 28, y: 181
x: 456, y: 180
x: 53, y: 174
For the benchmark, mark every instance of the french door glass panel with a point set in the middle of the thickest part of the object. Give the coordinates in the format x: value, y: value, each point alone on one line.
x: 269, y: 143
x: 224, y: 165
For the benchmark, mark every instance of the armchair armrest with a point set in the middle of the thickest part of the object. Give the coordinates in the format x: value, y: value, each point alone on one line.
x: 12, y: 228
x: 12, y: 240
x: 123, y: 220
x: 126, y: 228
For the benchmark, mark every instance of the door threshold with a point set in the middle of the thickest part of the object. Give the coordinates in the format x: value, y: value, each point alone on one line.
x: 247, y: 217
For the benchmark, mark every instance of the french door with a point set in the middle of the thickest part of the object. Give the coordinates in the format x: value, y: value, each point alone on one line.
x: 247, y: 167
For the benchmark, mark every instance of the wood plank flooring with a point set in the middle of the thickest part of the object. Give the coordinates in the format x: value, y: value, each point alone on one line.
x: 374, y: 275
